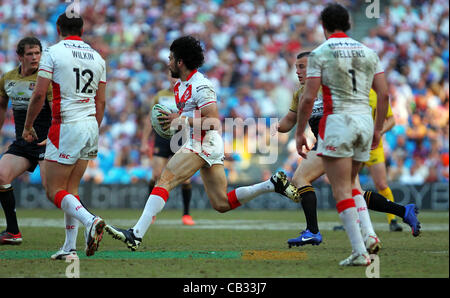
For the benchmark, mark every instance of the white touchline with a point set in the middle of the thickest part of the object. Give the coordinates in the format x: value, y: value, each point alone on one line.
x: 219, y: 224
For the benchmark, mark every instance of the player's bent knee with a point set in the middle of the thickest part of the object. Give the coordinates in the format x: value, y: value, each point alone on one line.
x: 4, y: 179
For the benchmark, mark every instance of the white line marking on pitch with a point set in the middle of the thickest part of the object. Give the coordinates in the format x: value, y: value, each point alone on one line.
x: 211, y: 224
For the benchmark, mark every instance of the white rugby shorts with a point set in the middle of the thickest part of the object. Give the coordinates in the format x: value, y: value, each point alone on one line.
x: 68, y: 142
x: 211, y: 149
x: 346, y: 135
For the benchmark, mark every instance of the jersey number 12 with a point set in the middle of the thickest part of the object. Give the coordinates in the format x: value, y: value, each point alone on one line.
x: 88, y: 83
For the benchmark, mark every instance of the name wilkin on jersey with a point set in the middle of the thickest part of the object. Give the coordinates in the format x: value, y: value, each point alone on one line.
x: 82, y: 55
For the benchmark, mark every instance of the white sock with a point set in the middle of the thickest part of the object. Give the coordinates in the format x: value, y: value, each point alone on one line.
x: 74, y: 208
x: 349, y: 216
x: 153, y: 206
x: 364, y: 217
x: 245, y: 194
x: 71, y: 225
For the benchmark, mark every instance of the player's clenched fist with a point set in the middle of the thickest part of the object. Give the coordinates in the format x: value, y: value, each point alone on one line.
x: 300, y: 142
x: 29, y: 134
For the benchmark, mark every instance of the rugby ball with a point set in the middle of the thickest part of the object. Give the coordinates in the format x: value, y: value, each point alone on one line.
x: 168, y: 133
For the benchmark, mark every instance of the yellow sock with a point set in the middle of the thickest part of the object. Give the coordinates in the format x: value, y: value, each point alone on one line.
x: 387, y: 193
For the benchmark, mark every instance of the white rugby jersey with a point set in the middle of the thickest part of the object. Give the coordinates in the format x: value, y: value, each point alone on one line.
x: 193, y: 94
x: 75, y: 69
x: 346, y: 68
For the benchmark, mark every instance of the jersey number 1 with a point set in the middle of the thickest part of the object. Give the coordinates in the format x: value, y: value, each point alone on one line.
x: 83, y: 73
x: 353, y: 73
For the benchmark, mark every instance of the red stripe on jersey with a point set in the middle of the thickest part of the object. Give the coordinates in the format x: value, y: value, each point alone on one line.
x: 327, y: 100
x: 185, y: 97
x: 338, y: 35
x: 45, y: 70
x: 53, y: 132
x: 327, y: 109
x: 56, y: 102
x: 73, y: 37
x: 191, y: 74
x: 206, y: 104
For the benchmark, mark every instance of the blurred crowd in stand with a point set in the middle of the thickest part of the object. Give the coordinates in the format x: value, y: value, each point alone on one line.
x: 250, y: 50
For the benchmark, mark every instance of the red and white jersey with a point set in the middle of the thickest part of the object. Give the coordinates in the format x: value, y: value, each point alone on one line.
x: 346, y: 68
x: 193, y: 94
x: 76, y: 70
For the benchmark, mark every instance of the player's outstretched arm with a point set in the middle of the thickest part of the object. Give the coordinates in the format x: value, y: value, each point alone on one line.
x: 36, y: 102
x: 388, y: 124
x: 287, y: 122
x: 146, y: 131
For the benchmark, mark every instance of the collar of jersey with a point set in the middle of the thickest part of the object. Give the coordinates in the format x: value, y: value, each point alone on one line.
x: 19, y: 69
x: 191, y: 75
x: 338, y: 35
x: 73, y: 37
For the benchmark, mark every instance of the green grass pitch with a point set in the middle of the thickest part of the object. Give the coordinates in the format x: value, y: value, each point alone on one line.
x: 239, y: 244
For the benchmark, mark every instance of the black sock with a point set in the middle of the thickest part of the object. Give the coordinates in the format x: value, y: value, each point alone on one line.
x: 8, y: 203
x: 377, y: 202
x: 309, y: 205
x: 151, y: 185
x: 186, y: 191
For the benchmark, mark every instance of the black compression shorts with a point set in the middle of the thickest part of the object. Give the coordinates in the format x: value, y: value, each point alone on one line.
x: 162, y: 147
x: 30, y: 151
x: 314, y: 124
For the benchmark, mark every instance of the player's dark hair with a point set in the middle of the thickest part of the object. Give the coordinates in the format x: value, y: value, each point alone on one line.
x: 188, y: 49
x: 335, y: 17
x: 29, y: 40
x: 70, y: 25
x: 303, y: 54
